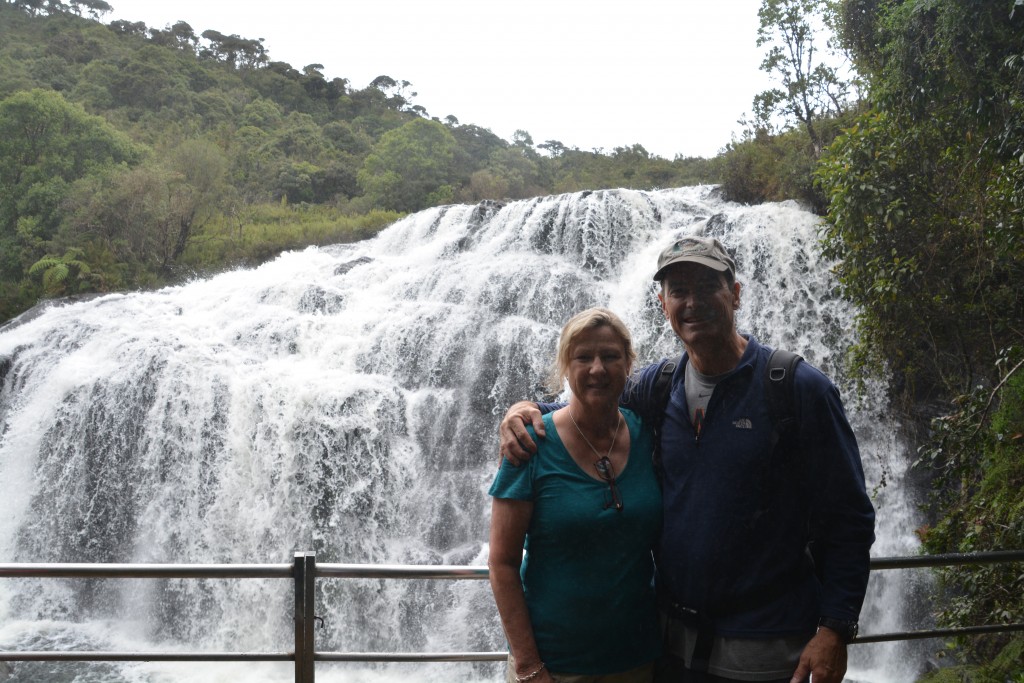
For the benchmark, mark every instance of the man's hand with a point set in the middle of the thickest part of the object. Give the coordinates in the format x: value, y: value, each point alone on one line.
x: 824, y: 658
x: 516, y: 445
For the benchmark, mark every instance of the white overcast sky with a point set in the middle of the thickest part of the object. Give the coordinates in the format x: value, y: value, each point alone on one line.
x: 672, y: 75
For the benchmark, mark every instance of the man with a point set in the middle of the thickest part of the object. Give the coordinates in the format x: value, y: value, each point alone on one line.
x: 763, y: 558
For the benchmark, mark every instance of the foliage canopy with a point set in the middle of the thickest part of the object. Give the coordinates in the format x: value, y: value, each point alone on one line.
x: 154, y: 140
x: 925, y: 194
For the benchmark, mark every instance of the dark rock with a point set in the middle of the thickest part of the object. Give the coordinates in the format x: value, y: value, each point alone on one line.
x: 345, y: 267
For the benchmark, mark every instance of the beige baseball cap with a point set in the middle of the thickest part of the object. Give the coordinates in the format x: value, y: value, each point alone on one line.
x: 707, y: 251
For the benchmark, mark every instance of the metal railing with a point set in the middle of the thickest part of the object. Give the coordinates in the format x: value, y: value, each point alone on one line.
x: 946, y: 560
x: 304, y: 572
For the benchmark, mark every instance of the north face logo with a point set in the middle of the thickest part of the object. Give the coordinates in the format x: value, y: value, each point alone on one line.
x: 743, y: 423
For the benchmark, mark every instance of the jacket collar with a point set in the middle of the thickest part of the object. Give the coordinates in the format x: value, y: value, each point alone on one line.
x: 747, y: 361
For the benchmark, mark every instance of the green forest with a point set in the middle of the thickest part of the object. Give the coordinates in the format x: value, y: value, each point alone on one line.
x: 135, y: 156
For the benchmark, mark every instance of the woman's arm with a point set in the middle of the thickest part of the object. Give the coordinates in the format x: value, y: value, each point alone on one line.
x: 509, y: 521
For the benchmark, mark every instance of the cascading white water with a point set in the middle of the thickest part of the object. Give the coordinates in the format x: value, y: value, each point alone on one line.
x: 345, y: 400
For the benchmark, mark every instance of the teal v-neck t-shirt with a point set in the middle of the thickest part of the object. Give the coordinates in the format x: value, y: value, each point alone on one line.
x: 588, y: 571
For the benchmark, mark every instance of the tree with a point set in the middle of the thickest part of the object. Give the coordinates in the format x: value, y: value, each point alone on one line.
x: 295, y: 182
x: 314, y: 81
x: 124, y: 210
x: 180, y: 36
x: 95, y: 8
x: 236, y: 51
x: 924, y: 191
x: 128, y: 28
x: 262, y: 113
x: 280, y: 83
x: 195, y: 192
x: 519, y: 169
x: 384, y: 83
x: 396, y: 93
x: 299, y: 136
x: 410, y: 168
x: 522, y: 138
x: 554, y: 148
x: 149, y: 214
x: 336, y: 89
x: 33, y: 7
x: 765, y: 168
x: 151, y: 79
x: 811, y: 88
x: 478, y: 143
x: 47, y: 143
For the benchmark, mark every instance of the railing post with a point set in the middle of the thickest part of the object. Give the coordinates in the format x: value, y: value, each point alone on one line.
x: 305, y: 577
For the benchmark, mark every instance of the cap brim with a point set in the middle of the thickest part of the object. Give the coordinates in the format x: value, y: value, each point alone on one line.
x: 710, y: 263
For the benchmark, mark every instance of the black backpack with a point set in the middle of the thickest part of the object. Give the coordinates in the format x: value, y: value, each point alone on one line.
x: 780, y: 372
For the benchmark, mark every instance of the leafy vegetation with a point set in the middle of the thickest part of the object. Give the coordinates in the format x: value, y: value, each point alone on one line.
x: 794, y: 121
x: 812, y: 90
x: 925, y: 194
x: 131, y: 156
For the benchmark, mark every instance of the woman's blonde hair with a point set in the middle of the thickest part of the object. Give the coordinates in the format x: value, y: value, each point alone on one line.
x: 579, y: 323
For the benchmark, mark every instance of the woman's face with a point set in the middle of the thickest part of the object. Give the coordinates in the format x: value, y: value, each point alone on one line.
x: 598, y: 366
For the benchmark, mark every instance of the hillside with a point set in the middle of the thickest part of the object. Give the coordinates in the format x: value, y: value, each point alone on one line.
x: 135, y: 155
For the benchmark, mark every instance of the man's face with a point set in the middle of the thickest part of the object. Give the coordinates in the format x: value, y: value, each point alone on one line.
x: 699, y: 304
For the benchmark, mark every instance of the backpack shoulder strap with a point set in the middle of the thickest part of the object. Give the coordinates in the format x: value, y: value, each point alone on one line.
x: 781, y: 372
x: 663, y: 383
x: 660, y: 393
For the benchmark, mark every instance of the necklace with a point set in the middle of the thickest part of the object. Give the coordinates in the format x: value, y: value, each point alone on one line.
x: 585, y: 439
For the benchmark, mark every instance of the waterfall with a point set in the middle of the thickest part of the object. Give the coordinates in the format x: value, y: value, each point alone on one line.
x: 345, y: 400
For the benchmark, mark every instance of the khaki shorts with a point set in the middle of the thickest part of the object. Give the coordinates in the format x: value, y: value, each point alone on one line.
x: 641, y: 674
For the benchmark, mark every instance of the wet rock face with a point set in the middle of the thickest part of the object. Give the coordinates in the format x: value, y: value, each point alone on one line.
x: 345, y: 400
x: 343, y: 268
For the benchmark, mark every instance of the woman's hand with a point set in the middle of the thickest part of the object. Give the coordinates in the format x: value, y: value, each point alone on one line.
x: 534, y: 673
x: 509, y: 521
x: 543, y: 677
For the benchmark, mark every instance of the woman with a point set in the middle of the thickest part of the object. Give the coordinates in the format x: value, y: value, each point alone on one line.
x: 579, y: 605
